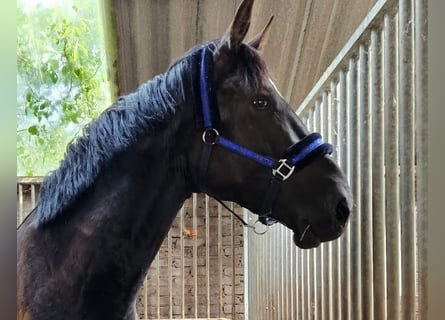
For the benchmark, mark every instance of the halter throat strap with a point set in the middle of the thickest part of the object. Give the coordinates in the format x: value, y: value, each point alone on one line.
x: 298, y: 156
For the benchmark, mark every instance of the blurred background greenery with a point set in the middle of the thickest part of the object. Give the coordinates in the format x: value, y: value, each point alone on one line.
x: 61, y: 78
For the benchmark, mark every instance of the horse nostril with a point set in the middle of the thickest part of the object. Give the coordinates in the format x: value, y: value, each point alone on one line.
x: 342, y: 212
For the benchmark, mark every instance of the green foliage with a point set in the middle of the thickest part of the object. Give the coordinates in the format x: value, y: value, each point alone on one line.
x: 61, y: 81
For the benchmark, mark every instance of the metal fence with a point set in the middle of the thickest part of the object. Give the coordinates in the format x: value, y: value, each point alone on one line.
x: 198, y: 271
x: 371, y: 103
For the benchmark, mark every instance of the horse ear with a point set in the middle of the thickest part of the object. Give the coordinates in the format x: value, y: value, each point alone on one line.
x: 260, y: 39
x: 237, y: 30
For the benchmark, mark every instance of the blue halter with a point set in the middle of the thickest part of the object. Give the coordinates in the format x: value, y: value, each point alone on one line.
x: 299, y: 155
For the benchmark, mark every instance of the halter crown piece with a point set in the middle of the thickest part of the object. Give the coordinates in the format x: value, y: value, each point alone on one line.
x: 299, y: 155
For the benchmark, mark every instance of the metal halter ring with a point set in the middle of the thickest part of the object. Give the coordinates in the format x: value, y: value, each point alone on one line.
x: 209, y: 136
x: 255, y: 228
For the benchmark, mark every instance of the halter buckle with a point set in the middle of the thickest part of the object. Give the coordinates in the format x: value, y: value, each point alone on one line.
x: 284, y: 169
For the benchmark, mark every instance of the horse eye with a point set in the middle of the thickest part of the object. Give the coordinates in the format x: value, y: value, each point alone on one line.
x: 260, y: 103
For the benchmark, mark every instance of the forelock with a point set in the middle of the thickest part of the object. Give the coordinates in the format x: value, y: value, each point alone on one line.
x: 252, y: 68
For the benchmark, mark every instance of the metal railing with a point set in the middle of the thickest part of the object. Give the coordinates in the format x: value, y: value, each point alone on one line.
x: 371, y: 104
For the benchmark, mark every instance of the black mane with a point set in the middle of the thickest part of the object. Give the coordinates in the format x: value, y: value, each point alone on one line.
x: 143, y: 112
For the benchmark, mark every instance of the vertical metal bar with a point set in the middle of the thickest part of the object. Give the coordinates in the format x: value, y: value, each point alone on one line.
x: 220, y: 269
x: 251, y: 303
x: 158, y: 294
x: 256, y: 243
x: 207, y: 252
x: 282, y: 266
x: 21, y: 215
x: 378, y: 176
x: 170, y: 274
x: 265, y: 288
x: 232, y: 242
x: 273, y: 265
x: 318, y: 284
x: 365, y: 155
x: 391, y: 169
x: 292, y: 278
x: 273, y: 281
x: 304, y: 257
x: 261, y: 303
x: 195, y: 255
x: 326, y: 248
x: 407, y: 195
x: 421, y: 107
x: 258, y: 284
x: 333, y: 248
x: 255, y: 283
x: 335, y: 254
x: 145, y: 285
x: 303, y: 290
x: 33, y: 195
x: 326, y: 115
x: 181, y: 241
x: 299, y: 294
x: 296, y: 304
x: 278, y: 272
x: 314, y: 253
x: 247, y: 268
x: 308, y: 285
x: 318, y: 117
x: 344, y: 292
x: 286, y: 280
x: 262, y: 297
x: 273, y: 268
x: 354, y: 178
x: 310, y: 120
x: 284, y: 306
x: 325, y: 262
x: 267, y: 282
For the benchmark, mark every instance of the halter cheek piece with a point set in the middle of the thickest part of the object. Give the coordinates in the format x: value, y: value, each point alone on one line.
x: 298, y: 155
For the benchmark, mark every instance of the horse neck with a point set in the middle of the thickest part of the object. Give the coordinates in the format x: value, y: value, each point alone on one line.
x: 133, y: 203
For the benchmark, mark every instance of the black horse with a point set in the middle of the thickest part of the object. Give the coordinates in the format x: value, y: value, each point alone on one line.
x: 214, y: 123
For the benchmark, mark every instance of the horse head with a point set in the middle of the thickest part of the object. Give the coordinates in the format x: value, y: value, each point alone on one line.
x: 256, y: 151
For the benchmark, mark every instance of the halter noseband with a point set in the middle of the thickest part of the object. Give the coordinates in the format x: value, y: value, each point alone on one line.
x: 299, y: 155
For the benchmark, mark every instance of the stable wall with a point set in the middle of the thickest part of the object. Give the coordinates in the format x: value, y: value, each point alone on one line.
x: 305, y: 37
